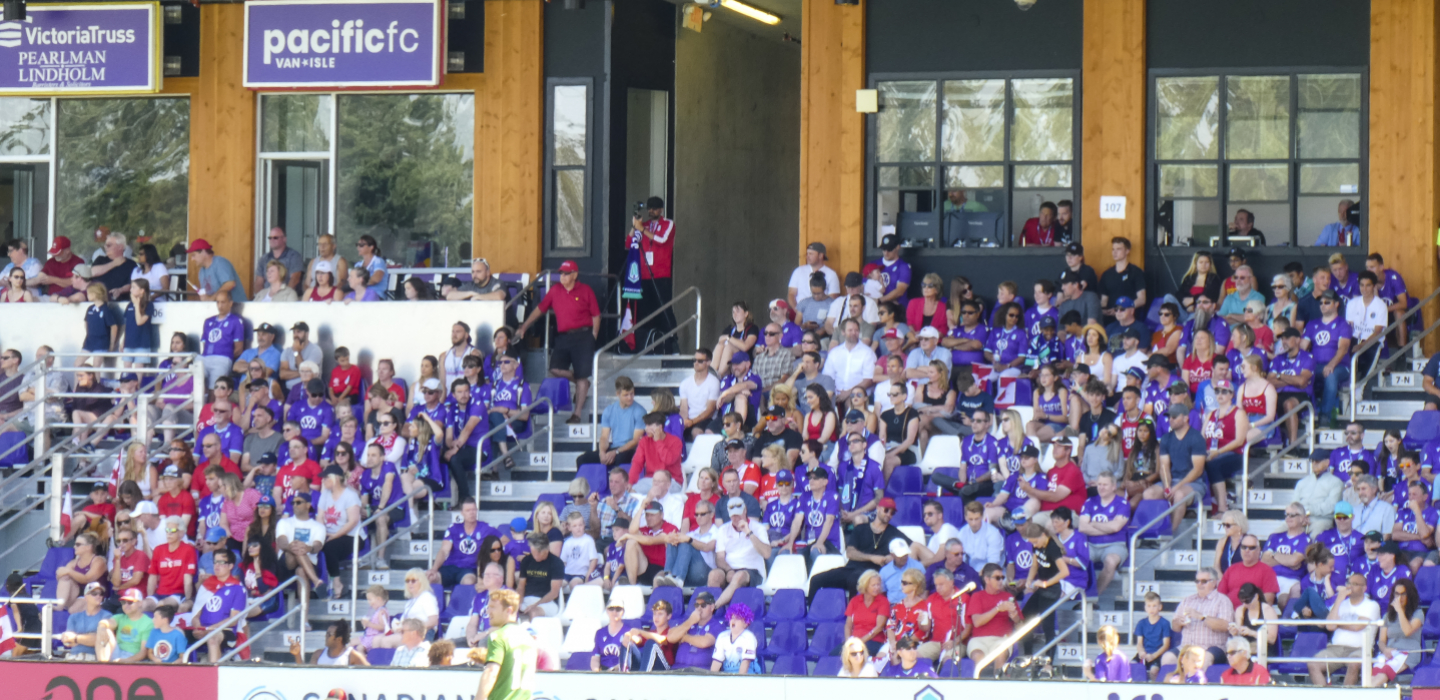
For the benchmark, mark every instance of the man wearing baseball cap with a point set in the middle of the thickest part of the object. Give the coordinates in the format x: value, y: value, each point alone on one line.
x: 917, y: 364
x: 217, y: 275
x: 264, y: 351
x: 175, y: 500
x: 741, y: 391
x: 577, y: 318
x: 122, y: 637
x: 894, y: 271
x: 59, y: 269
x: 782, y: 314
x: 840, y: 307
x: 1320, y: 492
x: 815, y: 259
x: 867, y: 548
x: 81, y: 633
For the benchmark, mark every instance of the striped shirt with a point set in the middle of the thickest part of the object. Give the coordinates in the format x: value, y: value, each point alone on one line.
x: 1216, y: 605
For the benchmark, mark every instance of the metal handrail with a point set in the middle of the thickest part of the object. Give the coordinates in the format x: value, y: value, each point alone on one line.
x: 1176, y: 537
x: 480, y: 464
x: 1247, y: 473
x: 256, y: 603
x: 303, y: 609
x: 46, y: 635
x: 1024, y: 629
x: 1378, y: 364
x: 356, y: 558
x: 1365, y: 648
x: 595, y: 363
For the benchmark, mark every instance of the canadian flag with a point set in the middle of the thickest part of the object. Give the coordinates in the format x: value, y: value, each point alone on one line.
x: 1006, y: 397
x: 7, y: 630
x: 66, y: 510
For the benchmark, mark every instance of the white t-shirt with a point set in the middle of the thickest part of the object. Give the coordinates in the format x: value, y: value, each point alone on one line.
x: 699, y: 395
x: 157, y: 271
x: 739, y: 551
x: 421, y: 607
x: 577, y: 553
x: 1122, y: 363
x: 840, y: 310
x: 882, y: 396
x: 741, y: 649
x: 1363, y: 318
x: 154, y: 538
x: 946, y: 533
x: 707, y: 536
x: 800, y: 280
x: 674, y: 504
x: 308, y: 531
x: 1366, y: 610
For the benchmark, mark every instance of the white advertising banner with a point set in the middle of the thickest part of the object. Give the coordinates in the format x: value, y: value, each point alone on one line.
x: 460, y: 683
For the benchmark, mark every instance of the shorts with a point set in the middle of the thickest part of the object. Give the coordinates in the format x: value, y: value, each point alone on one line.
x: 984, y: 645
x: 1284, y: 396
x: 648, y: 578
x: 1098, y: 552
x: 756, y: 578
x: 451, y: 575
x: 574, y: 350
x: 135, y: 359
x: 1286, y: 583
x: 1338, y: 652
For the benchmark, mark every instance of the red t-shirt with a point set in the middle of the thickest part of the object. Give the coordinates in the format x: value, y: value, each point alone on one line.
x: 106, y: 509
x: 1256, y: 675
x: 768, y: 491
x: 655, y: 553
x: 574, y: 308
x: 1238, y: 575
x: 397, y: 393
x: 62, y: 270
x: 1036, y: 236
x: 343, y: 380
x: 184, y: 504
x: 866, y: 617
x: 749, y: 473
x: 1198, y: 371
x: 982, y: 602
x: 943, y: 613
x: 171, y: 567
x: 1069, y: 476
x: 137, y: 562
x: 198, y: 482
x: 692, y: 500
x: 308, y: 469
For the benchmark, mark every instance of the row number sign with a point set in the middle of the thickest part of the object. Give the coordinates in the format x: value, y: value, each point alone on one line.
x: 1261, y: 497
x: 1404, y: 379
x: 1112, y: 618
x: 502, y: 488
x: 420, y: 549
x: 1112, y: 207
x: 337, y: 607
x: 378, y: 578
x: 1294, y: 466
x: 580, y: 432
x: 539, y: 460
x: 1069, y: 652
x: 1143, y: 587
x: 1186, y: 558
x: 291, y: 638
x: 1332, y: 436
x: 1367, y: 408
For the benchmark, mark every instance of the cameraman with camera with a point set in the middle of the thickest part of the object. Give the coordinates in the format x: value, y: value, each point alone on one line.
x: 657, y: 251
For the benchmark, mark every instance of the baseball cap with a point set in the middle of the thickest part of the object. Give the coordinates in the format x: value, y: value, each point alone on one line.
x: 1047, y: 322
x: 1320, y: 456
x: 1372, y: 535
x: 892, y: 333
x: 705, y: 597
x: 301, y: 326
x: 1290, y: 333
x: 198, y: 244
x: 215, y: 534
x: 131, y: 595
x: 854, y: 415
x: 817, y: 247
x: 267, y: 328
x: 569, y: 266
x: 820, y: 473
x: 735, y: 445
x: 268, y: 500
x: 1124, y: 303
x: 431, y: 384
x: 621, y: 522
x: 889, y: 242
x: 774, y: 412
x: 735, y: 506
x: 95, y: 586
x: 898, y: 548
x: 928, y: 332
x: 129, y: 377
x: 779, y: 304
x: 82, y: 271
x: 325, y: 266
x: 1137, y: 331
x: 853, y: 279
x: 61, y: 243
x: 1176, y: 410
x: 1018, y: 516
x: 268, y: 458
x: 1075, y: 249
x: 517, y: 525
x: 144, y: 508
x: 1068, y: 277
x: 784, y: 477
x: 1329, y: 295
x: 1062, y: 440
x: 1221, y: 385
x: 1029, y: 450
x: 171, y: 471
x: 739, y: 356
x: 1390, y: 548
x: 1135, y: 372
x: 1344, y: 508
x: 886, y: 502
x: 615, y: 604
x: 1237, y: 252
x: 1157, y: 360
x: 654, y: 507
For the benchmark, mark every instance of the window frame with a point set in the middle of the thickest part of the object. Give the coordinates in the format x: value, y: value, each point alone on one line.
x: 872, y: 188
x: 1293, y: 162
x: 551, y: 247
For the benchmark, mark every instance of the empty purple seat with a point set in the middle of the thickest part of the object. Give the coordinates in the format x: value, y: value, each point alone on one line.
x: 461, y: 598
x: 1424, y: 427
x: 1307, y: 645
x: 790, y: 665
x: 827, y: 666
x: 557, y: 389
x: 904, y: 481
x: 1148, y: 511
x: 597, y: 475
x: 787, y: 605
x: 828, y: 637
x: 1427, y: 676
x: 828, y: 606
x: 788, y: 638
x: 380, y: 657
x: 752, y: 597
x: 1212, y: 673
x: 908, y: 511
x: 579, y: 661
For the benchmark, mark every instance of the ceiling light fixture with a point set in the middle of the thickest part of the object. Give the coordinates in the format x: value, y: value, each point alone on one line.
x: 753, y: 13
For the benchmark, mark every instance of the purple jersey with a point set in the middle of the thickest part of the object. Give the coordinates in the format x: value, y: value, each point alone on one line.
x: 1337, y: 580
x: 465, y: 546
x: 1325, y: 339
x: 1380, y: 584
x: 1429, y: 454
x: 1391, y: 287
x: 220, y: 335
x: 1284, y: 543
x: 1041, y: 352
x: 730, y: 380
x: 1112, y: 669
x: 1038, y: 480
x: 1100, y: 512
x: 456, y: 416
x: 517, y: 548
x: 1347, y: 290
x: 327, y: 453
x: 1033, y: 316
x: 228, y: 599
x: 207, y: 511
x: 1217, y: 328
x: 894, y: 273
x: 480, y: 608
x: 372, y: 484
x: 427, y: 465
x: 858, y: 484
x: 1237, y: 375
x: 1074, y: 347
x: 273, y: 405
x: 614, y: 559
x: 610, y: 646
x: 1405, y: 518
x: 1288, y: 366
x: 923, y: 668
x: 979, y: 456
x: 232, y: 441
x: 1008, y: 454
x: 1383, y: 461
x: 1156, y: 395
x: 436, y: 414
x: 512, y: 394
x: 1019, y: 552
x: 1346, y: 549
x: 981, y: 332
x: 815, y: 509
x: 1341, y: 457
x: 312, y: 419
x: 1005, y: 345
x: 779, y: 516
x: 1078, y: 547
x: 790, y: 335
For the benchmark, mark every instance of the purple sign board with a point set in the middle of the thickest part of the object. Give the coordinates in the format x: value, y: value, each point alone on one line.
x: 91, y: 49
x: 326, y: 44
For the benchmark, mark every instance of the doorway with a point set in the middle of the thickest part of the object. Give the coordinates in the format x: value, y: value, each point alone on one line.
x: 296, y: 200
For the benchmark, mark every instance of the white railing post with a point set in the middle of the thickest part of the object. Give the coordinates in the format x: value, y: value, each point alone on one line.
x: 1365, y: 652
x: 354, y: 574
x: 1244, y: 480
x: 197, y: 387
x: 57, y: 495
x: 47, y: 631
x: 430, y: 529
x: 142, y: 417
x: 550, y: 448
x: 304, y: 612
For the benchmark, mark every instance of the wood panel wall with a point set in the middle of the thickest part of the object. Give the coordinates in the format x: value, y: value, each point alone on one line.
x: 1112, y: 141
x: 509, y: 131
x: 832, y: 133
x: 1403, y: 207
x: 222, y: 141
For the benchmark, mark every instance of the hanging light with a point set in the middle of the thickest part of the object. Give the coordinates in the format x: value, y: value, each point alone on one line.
x: 752, y: 12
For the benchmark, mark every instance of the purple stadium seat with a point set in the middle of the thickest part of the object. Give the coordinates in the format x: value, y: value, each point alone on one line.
x: 1424, y: 427
x: 827, y: 666
x: 557, y: 389
x: 932, y: 489
x: 595, y: 474
x: 787, y: 605
x: 966, y: 669
x: 788, y: 638
x: 12, y: 453
x: 1427, y: 582
x: 1212, y: 673
x: 380, y: 657
x: 828, y: 606
x: 670, y: 594
x: 1138, y: 672
x: 555, y: 499
x: 907, y: 511
x: 954, y: 509
x: 753, y: 598
x: 44, y: 578
x: 1288, y: 631
x: 1427, y: 676
x: 461, y: 597
x: 1431, y: 629
x: 579, y: 661
x: 1147, y: 511
x: 1165, y: 670
x: 828, y: 637
x: 1307, y: 644
x: 904, y: 481
x: 789, y: 665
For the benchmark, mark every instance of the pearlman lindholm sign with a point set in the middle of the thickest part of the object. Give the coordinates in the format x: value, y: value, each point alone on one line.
x: 318, y: 44
x: 84, y: 48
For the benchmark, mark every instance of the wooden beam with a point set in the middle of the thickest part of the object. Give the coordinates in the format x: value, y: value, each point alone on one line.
x: 832, y: 133
x: 1112, y: 141
x: 1402, y: 201
x: 509, y: 136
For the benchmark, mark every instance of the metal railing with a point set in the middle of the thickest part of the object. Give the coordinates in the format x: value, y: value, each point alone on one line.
x: 595, y: 381
x: 1378, y: 365
x: 1175, y: 538
x: 46, y: 635
x: 303, y: 608
x: 1366, y: 648
x: 1024, y: 629
x: 1246, y: 474
x: 356, y: 558
x: 481, y: 464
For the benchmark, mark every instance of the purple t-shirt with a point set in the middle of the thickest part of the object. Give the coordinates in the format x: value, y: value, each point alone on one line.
x: 1217, y: 328
x: 1380, y: 584
x: 512, y: 394
x: 1115, y: 669
x: 1074, y: 347
x: 1342, y: 456
x: 312, y: 419
x: 1282, y: 543
x: 610, y: 647
x: 1012, y: 486
x: 455, y: 417
x: 1019, y: 552
x: 1078, y: 547
x: 1405, y: 518
x: 1325, y: 339
x: 894, y: 273
x: 790, y: 335
x: 227, y: 600
x: 436, y: 414
x: 1157, y: 396
x: 1102, y: 513
x: 1391, y: 287
x: 372, y: 483
x: 981, y: 332
x: 922, y: 669
x: 220, y: 335
x: 1237, y: 375
x: 232, y: 441
x: 1288, y: 366
x: 480, y: 607
x: 730, y: 380
x: 1345, y: 548
x: 815, y: 510
x: 1033, y: 316
x: 1008, y: 455
x: 858, y: 484
x: 1348, y: 289
x: 978, y: 457
x: 207, y: 511
x: 465, y: 547
x: 779, y: 516
x: 1006, y: 344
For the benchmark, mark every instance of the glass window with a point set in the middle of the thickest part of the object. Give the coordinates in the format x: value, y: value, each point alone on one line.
x: 405, y: 173
x: 1288, y: 147
x: 295, y: 123
x: 569, y: 171
x: 125, y: 164
x: 24, y: 127
x: 1005, y: 147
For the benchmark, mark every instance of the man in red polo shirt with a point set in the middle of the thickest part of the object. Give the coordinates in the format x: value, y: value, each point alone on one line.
x: 59, y: 270
x: 577, y: 318
x: 175, y: 500
x: 1067, y: 483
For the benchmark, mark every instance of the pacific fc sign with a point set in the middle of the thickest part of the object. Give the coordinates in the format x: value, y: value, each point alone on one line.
x: 101, y: 48
x: 310, y: 44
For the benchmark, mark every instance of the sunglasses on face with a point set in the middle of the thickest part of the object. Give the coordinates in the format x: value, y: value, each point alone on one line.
x: 772, y: 332
x: 172, y: 529
x: 1201, y: 581
x: 387, y: 422
x: 1249, y: 547
x: 1341, y: 516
